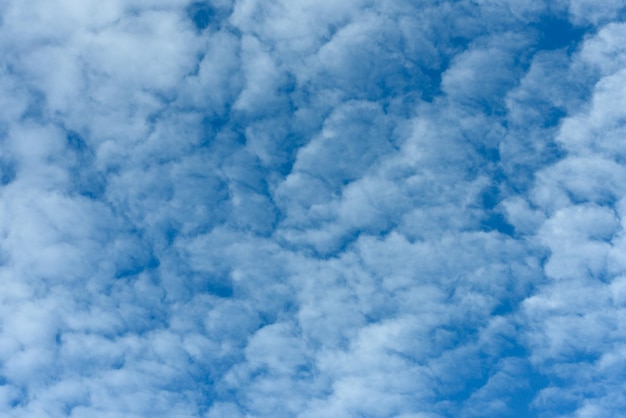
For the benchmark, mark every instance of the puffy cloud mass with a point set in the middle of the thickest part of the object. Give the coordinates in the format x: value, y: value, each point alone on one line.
x: 311, y: 208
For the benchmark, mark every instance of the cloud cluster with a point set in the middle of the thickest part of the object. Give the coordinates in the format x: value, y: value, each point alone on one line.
x: 575, y: 319
x: 312, y: 208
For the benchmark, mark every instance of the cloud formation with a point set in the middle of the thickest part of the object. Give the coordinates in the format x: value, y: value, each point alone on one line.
x: 312, y: 209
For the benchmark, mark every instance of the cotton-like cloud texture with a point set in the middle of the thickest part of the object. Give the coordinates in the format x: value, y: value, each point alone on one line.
x: 312, y: 208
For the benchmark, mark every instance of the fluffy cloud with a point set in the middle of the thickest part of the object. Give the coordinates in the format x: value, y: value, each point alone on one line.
x: 310, y: 208
x: 575, y: 322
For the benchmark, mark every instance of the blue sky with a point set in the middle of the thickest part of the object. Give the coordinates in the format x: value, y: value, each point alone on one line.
x: 312, y: 208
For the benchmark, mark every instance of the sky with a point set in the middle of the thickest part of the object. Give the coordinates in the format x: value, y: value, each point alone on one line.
x: 312, y: 208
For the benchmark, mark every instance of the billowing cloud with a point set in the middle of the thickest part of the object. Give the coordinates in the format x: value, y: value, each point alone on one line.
x: 312, y: 208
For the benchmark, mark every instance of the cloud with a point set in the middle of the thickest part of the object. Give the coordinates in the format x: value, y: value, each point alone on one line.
x: 577, y: 320
x: 311, y: 208
x: 586, y: 12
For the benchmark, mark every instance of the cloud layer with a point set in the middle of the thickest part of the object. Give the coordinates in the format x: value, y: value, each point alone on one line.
x: 312, y: 208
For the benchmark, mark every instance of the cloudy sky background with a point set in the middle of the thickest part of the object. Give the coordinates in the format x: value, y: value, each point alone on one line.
x: 312, y: 208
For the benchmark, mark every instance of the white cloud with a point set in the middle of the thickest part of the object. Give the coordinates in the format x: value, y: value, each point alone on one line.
x: 574, y: 323
x: 303, y: 209
x: 590, y: 12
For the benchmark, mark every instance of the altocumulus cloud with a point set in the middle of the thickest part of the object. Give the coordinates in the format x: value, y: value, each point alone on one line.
x: 312, y: 208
